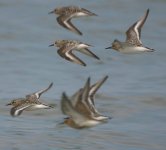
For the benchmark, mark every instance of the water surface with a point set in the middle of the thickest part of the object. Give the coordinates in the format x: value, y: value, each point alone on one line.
x: 134, y: 94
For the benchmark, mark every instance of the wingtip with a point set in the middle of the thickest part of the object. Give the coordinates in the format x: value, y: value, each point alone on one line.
x: 80, y: 33
x: 94, y: 14
x: 77, y: 31
x: 51, y: 106
x: 106, y: 77
x: 88, y: 80
x: 64, y: 96
x: 51, y: 84
x: 147, y: 11
x: 95, y: 56
x: 151, y: 50
x: 84, y: 64
x: 98, y: 58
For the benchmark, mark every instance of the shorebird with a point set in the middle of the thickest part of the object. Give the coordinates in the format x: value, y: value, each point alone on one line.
x: 30, y: 102
x: 69, y: 12
x: 89, y: 102
x: 66, y: 48
x: 133, y: 42
x: 81, y: 110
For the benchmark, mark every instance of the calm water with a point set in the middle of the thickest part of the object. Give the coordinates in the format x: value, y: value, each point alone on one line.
x: 134, y: 95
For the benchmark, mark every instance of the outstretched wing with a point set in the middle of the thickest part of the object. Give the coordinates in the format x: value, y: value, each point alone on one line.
x: 95, y: 87
x: 88, y: 12
x: 133, y: 34
x: 87, y: 52
x: 37, y: 95
x: 73, y: 58
x: 65, y: 21
x: 16, y: 111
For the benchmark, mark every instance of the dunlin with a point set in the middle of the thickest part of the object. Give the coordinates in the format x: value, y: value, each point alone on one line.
x: 66, y: 48
x: 69, y: 12
x: 89, y: 102
x: 79, y: 110
x: 133, y: 43
x: 30, y: 102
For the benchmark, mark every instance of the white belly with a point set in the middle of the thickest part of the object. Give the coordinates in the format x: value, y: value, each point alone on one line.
x: 134, y: 50
x: 90, y: 123
x: 34, y: 107
x: 80, y: 14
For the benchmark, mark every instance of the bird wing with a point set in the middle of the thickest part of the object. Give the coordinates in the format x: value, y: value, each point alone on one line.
x: 71, y: 57
x: 69, y: 110
x: 16, y: 111
x: 95, y: 87
x: 87, y: 52
x: 133, y: 34
x: 65, y: 21
x: 39, y: 93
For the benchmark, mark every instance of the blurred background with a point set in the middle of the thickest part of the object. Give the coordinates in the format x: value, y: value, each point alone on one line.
x: 134, y: 94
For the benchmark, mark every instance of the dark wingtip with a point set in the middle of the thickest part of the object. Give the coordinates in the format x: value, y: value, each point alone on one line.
x: 88, y: 80
x: 51, y: 84
x: 97, y: 58
x: 106, y: 77
x: 64, y: 96
x: 83, y: 64
x: 147, y: 11
x: 152, y: 50
x: 51, y: 106
x: 80, y: 33
x: 94, y: 14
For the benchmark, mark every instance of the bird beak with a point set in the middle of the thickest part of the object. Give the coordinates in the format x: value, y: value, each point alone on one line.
x: 109, y: 47
x: 51, y: 12
x: 51, y: 45
x: 8, y: 104
x: 61, y: 123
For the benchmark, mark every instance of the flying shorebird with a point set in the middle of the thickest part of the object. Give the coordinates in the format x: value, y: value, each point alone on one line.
x: 30, y: 102
x: 69, y: 12
x: 133, y: 43
x: 89, y: 102
x: 66, y: 48
x: 80, y: 112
